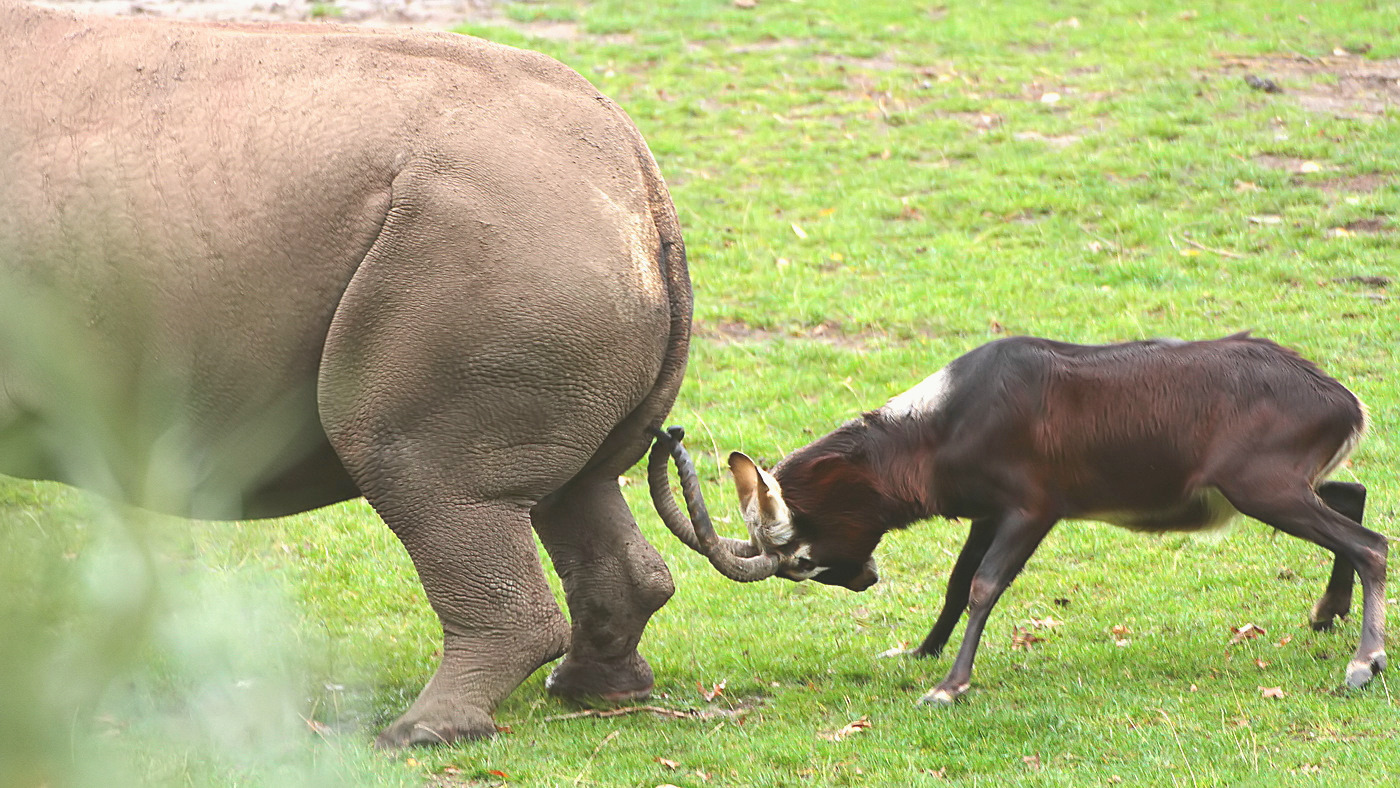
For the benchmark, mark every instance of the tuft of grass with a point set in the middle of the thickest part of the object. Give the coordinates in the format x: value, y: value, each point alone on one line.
x: 867, y: 193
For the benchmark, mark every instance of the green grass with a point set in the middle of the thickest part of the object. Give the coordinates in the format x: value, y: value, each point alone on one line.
x: 942, y: 202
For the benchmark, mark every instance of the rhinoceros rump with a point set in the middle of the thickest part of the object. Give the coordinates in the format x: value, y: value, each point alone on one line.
x: 300, y: 264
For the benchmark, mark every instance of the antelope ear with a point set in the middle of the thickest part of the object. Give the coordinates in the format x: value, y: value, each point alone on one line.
x: 761, y: 501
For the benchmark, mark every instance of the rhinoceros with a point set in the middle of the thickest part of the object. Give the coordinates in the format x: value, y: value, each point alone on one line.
x: 246, y: 271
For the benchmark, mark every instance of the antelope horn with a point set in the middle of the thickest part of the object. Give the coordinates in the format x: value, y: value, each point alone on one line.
x: 734, y: 558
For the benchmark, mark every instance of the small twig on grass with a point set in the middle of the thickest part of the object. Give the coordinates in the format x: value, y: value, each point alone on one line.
x: 679, y: 714
x: 1107, y: 244
x: 1221, y: 252
x: 1171, y: 726
x: 596, y: 750
x: 1202, y: 247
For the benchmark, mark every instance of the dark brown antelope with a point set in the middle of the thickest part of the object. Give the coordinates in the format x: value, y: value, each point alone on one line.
x: 1021, y: 433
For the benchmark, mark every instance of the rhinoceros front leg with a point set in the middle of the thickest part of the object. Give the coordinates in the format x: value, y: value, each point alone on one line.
x: 500, y: 622
x: 613, y: 581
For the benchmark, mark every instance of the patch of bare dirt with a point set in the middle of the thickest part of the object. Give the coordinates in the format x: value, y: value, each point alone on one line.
x: 1375, y: 224
x: 434, y: 14
x: 1342, y: 85
x: 1304, y: 174
x: 424, y: 14
x: 828, y: 333
x: 1367, y: 182
x: 1054, y: 141
x: 881, y: 62
x: 1274, y: 162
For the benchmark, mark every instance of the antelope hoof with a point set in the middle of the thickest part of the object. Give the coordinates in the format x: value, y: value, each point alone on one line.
x: 896, y: 652
x: 1361, y: 671
x: 1323, y: 620
x: 941, y: 696
x: 1325, y: 613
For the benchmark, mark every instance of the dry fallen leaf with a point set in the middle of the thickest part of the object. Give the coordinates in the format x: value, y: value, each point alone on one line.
x: 850, y: 729
x: 799, y: 231
x: 901, y: 648
x: 745, y: 3
x: 1032, y: 761
x: 1050, y: 98
x: 713, y: 692
x: 1267, y: 218
x: 1309, y: 166
x: 1283, y: 641
x: 1245, y: 632
x: 669, y: 764
x: 1048, y: 622
x: 1023, y: 639
x: 318, y: 727
x: 1271, y: 692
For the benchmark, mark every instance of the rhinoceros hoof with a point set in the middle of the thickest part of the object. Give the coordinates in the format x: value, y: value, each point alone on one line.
x: 586, y: 681
x: 463, y: 725
x: 1361, y: 671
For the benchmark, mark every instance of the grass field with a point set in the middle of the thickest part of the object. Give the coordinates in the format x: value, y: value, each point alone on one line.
x: 867, y: 190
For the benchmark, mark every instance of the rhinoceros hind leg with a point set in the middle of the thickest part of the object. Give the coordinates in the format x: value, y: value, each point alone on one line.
x: 482, y: 574
x: 613, y: 582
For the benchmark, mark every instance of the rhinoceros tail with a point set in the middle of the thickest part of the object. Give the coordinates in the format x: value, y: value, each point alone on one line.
x: 676, y: 276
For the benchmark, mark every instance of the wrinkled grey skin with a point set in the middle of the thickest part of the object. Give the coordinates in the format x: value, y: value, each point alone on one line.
x: 270, y: 268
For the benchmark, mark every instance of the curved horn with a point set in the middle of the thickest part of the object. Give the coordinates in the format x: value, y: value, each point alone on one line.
x: 734, y: 558
x: 697, y: 532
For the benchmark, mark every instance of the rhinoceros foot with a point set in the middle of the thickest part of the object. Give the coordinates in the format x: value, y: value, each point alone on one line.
x: 586, y: 681
x: 429, y: 727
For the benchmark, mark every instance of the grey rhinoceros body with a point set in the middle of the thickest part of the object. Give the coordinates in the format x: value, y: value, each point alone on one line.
x: 248, y: 271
